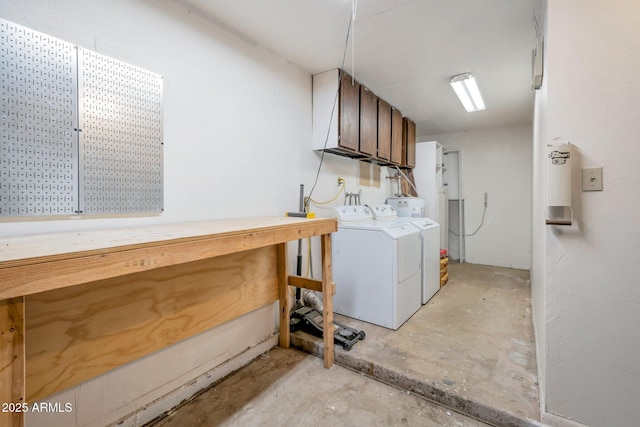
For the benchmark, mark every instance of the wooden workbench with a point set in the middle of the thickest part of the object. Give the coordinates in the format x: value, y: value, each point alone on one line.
x: 76, y: 305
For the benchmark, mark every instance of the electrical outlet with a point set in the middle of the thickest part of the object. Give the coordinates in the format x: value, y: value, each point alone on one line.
x: 592, y: 179
x: 340, y: 180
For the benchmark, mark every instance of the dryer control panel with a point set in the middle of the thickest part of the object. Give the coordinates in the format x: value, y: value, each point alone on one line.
x: 353, y: 213
x: 384, y: 211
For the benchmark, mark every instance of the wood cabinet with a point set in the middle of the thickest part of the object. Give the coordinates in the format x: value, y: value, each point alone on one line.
x: 368, y: 122
x: 336, y: 113
x: 396, y: 137
x: 409, y: 142
x: 349, y: 113
x: 384, y: 130
x: 350, y: 120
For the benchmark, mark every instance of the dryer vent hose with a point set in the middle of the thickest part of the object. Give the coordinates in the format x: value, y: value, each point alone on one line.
x: 312, y: 300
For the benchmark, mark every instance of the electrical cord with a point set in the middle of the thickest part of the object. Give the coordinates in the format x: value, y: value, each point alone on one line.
x: 315, y: 202
x: 335, y: 101
x: 309, y: 272
x: 477, y: 229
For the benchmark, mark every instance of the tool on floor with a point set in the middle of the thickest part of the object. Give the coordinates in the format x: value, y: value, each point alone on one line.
x: 310, y: 321
x: 309, y: 318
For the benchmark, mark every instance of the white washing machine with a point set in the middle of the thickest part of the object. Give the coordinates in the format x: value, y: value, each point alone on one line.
x: 376, y: 268
x: 430, y: 246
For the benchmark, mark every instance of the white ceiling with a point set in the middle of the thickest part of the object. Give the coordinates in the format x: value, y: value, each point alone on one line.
x: 405, y: 50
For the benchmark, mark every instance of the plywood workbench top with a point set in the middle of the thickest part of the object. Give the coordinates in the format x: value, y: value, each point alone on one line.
x: 37, y: 263
x: 162, y: 283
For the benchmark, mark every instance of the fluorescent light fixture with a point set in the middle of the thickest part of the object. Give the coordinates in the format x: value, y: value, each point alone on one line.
x: 467, y: 90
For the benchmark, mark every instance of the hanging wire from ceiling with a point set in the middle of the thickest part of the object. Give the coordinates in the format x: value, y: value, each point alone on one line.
x: 354, y: 9
x: 352, y: 19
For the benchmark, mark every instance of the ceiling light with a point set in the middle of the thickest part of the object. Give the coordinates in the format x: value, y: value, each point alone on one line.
x: 467, y: 90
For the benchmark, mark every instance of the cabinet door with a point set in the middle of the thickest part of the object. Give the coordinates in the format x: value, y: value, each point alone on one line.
x: 396, y: 137
x: 349, y: 114
x: 409, y: 143
x: 384, y: 130
x: 368, y: 122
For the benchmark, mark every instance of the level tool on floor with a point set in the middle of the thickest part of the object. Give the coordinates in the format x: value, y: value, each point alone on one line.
x: 310, y: 320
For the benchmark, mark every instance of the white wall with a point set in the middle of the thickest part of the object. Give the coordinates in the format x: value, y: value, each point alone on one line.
x: 498, y: 162
x: 591, y: 292
x: 236, y: 118
x: 538, y: 229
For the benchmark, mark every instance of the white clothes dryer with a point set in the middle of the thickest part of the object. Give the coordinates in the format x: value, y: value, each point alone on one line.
x: 430, y: 246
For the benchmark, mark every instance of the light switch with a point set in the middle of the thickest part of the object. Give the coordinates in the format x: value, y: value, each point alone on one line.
x: 592, y: 179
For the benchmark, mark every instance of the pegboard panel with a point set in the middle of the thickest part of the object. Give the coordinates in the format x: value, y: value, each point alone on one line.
x: 120, y: 118
x: 38, y: 115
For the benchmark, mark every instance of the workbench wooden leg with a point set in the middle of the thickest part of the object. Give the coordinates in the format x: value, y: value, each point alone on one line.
x: 283, y: 293
x: 12, y: 360
x: 327, y: 300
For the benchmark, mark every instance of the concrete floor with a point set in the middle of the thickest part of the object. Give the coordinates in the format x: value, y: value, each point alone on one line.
x: 286, y: 387
x: 470, y: 349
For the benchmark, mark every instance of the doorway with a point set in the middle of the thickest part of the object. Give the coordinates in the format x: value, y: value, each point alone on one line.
x: 453, y: 181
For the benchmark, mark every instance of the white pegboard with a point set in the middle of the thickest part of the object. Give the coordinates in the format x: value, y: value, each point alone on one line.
x: 120, y: 118
x: 79, y: 132
x: 38, y: 115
